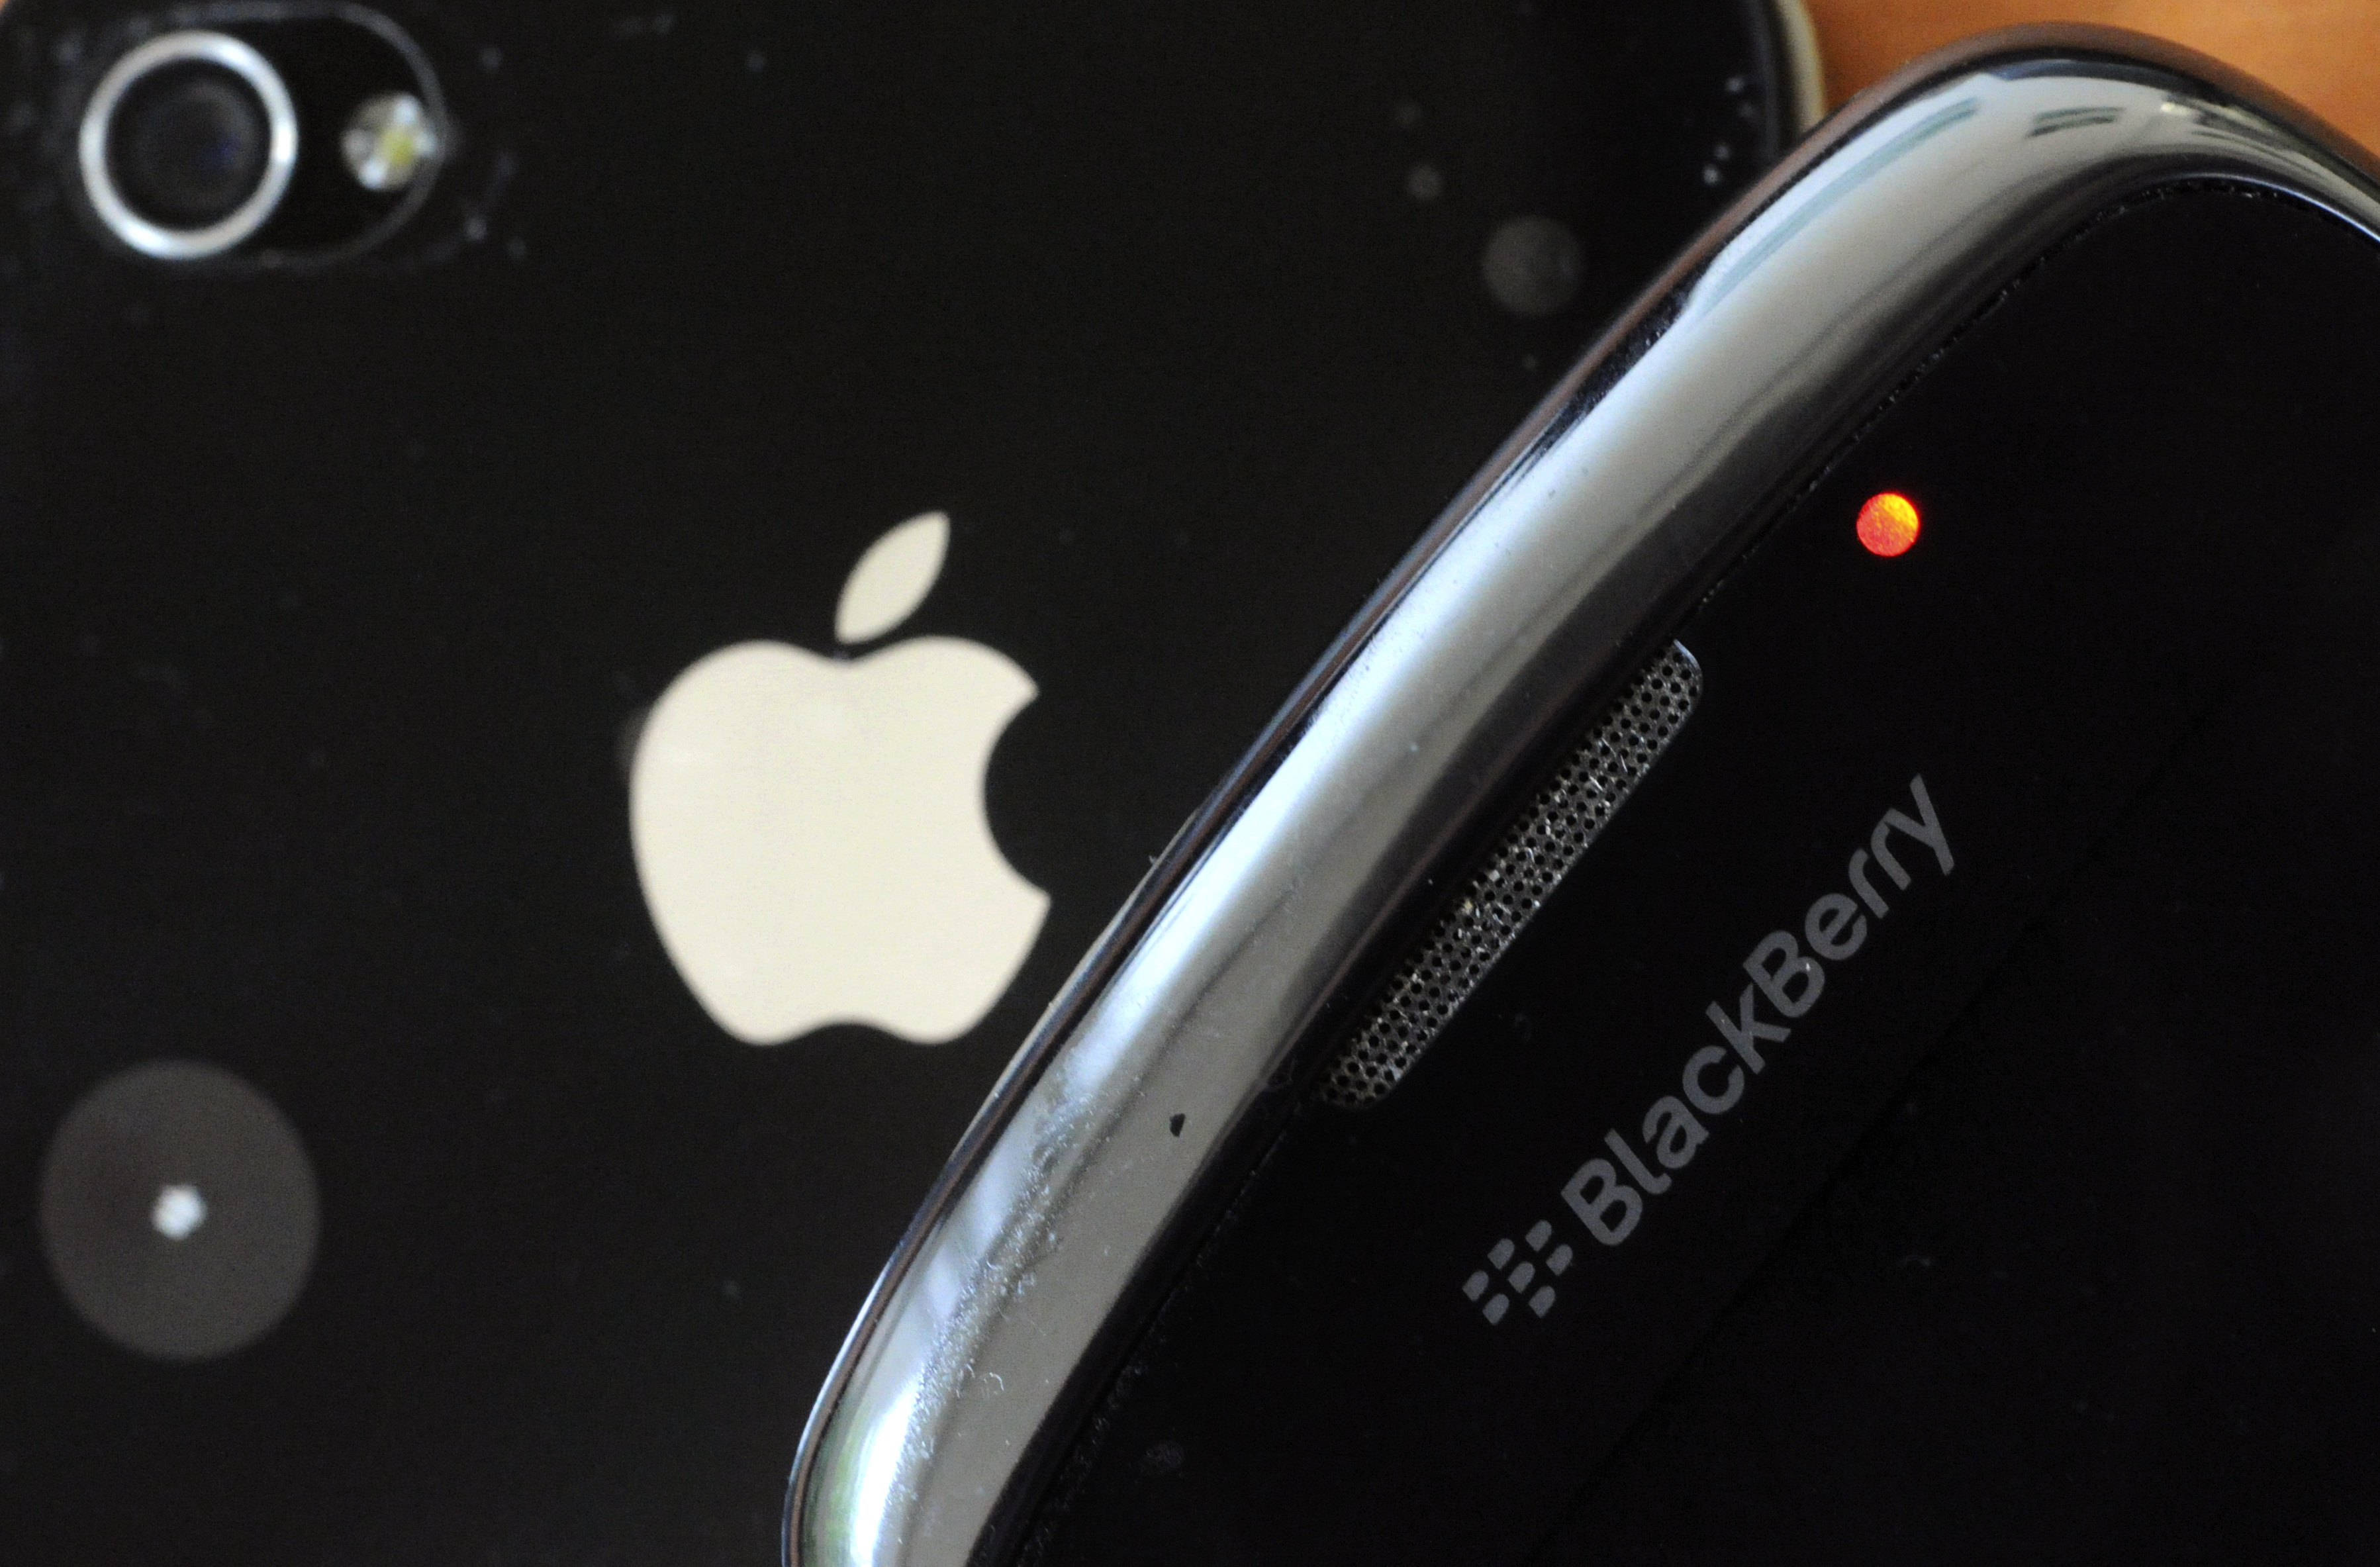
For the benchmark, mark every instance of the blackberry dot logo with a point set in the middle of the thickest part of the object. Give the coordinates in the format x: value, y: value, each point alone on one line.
x: 1518, y: 1276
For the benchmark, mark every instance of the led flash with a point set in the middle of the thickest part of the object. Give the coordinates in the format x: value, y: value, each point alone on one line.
x: 1887, y: 524
x: 390, y: 142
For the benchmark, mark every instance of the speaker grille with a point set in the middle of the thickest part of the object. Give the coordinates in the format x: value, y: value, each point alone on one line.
x: 1534, y: 855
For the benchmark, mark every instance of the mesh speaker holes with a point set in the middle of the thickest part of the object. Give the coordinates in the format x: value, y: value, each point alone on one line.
x: 1534, y: 855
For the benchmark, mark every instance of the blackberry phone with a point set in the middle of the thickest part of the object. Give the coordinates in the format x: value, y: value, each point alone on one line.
x: 1798, y: 986
x: 582, y: 583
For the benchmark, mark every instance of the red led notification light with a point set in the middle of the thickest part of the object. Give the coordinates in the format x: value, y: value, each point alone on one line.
x: 1887, y: 524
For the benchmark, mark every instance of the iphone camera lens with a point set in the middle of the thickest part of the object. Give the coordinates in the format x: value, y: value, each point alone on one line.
x: 190, y: 148
x: 188, y: 144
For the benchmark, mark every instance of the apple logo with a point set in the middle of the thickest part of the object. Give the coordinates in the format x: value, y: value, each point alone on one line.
x: 810, y: 831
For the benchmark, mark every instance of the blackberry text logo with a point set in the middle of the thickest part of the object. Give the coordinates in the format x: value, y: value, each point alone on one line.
x: 1786, y: 975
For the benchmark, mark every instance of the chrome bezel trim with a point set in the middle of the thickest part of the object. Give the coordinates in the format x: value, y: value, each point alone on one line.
x: 1805, y: 67
x: 107, y: 202
x: 1548, y: 580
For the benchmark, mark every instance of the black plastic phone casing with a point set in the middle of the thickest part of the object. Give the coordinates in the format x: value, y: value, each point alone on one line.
x: 1858, y: 942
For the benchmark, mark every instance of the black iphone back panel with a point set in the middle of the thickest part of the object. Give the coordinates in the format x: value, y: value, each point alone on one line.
x: 332, y: 597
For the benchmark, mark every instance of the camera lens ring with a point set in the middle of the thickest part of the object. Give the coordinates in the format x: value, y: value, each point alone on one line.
x: 164, y: 242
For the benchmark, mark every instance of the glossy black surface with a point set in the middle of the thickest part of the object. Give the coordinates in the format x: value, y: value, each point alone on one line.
x: 331, y: 586
x: 2129, y: 468
x: 2102, y: 1284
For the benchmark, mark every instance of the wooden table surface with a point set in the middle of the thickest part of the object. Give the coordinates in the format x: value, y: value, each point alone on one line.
x: 2325, y: 53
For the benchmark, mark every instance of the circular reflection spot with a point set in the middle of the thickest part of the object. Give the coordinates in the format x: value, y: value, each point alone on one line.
x: 178, y: 1211
x: 1533, y: 265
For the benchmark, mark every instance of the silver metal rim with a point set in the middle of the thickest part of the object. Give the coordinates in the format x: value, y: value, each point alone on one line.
x: 280, y: 157
x: 1805, y: 68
